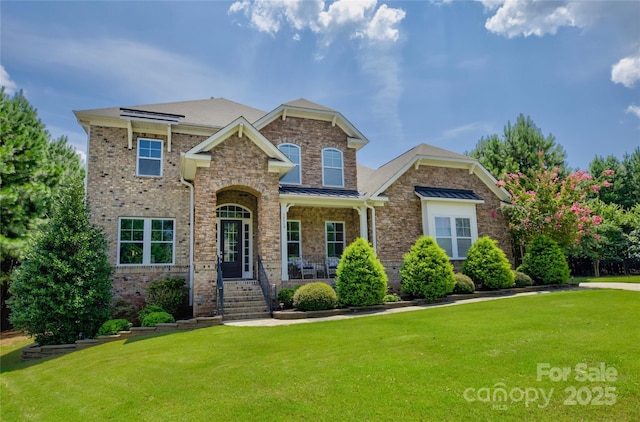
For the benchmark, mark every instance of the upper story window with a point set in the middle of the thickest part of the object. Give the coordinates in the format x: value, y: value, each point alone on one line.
x: 149, y: 157
x: 332, y: 168
x: 293, y: 153
x: 146, y: 241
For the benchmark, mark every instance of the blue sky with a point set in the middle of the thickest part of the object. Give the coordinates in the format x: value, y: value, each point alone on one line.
x: 444, y: 73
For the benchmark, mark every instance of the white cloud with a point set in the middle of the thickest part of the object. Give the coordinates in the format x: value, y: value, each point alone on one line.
x: 10, y: 86
x: 362, y: 19
x: 626, y: 71
x: 634, y: 109
x: 473, y: 127
x: 539, y: 17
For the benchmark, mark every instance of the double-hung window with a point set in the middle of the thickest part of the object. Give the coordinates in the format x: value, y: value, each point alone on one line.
x: 335, y: 238
x: 149, y: 157
x: 332, y: 168
x: 146, y: 241
x: 453, y: 234
x: 293, y: 153
x: 294, y: 249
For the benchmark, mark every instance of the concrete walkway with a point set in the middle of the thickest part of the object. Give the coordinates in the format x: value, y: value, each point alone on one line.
x: 619, y: 286
x: 272, y: 322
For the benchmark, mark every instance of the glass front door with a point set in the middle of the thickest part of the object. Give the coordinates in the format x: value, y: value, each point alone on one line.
x: 231, y: 248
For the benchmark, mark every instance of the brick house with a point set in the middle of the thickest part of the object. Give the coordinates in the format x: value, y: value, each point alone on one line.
x: 275, y: 195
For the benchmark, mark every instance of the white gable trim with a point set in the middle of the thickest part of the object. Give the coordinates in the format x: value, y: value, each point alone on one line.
x: 278, y: 162
x: 471, y: 164
x: 355, y: 138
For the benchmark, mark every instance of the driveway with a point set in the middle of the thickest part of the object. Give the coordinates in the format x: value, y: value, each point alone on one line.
x: 619, y: 286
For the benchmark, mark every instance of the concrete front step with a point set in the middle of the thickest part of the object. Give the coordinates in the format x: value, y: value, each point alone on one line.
x: 247, y: 310
x: 250, y: 315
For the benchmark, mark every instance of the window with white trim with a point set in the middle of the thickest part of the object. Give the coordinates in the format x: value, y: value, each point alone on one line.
x: 294, y: 177
x: 294, y: 247
x: 453, y: 234
x: 146, y: 241
x: 332, y: 168
x: 149, y: 157
x: 452, y: 224
x: 335, y: 238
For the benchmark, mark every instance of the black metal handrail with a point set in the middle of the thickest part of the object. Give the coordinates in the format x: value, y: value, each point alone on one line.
x: 220, y: 288
x: 268, y: 289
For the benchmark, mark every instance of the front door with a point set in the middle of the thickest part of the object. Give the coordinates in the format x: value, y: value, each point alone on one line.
x: 231, y: 248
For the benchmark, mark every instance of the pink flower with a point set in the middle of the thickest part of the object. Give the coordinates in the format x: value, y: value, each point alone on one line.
x: 608, y: 173
x: 548, y: 219
x: 606, y: 183
x: 500, y: 183
x: 596, y: 236
x: 596, y: 219
x: 595, y: 188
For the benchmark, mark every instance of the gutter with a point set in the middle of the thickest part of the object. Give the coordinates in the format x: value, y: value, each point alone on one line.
x: 191, y: 201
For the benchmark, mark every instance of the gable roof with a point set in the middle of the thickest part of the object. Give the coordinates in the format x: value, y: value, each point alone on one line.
x: 306, y: 109
x: 424, y: 154
x: 212, y: 112
x: 198, y: 157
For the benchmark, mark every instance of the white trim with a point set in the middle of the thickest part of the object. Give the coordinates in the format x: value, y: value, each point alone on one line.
x: 146, y: 242
x: 299, y: 165
x: 284, y: 208
x: 161, y: 159
x: 333, y: 168
x: 433, y: 209
x: 286, y: 239
x: 326, y: 239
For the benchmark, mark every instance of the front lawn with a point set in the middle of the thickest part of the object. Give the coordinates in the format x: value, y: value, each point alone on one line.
x: 611, y: 279
x: 432, y: 364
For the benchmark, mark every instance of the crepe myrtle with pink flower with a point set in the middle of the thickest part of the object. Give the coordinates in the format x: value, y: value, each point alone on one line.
x: 557, y: 208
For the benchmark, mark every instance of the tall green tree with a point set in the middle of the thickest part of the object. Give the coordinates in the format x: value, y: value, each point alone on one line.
x: 625, y: 189
x: 519, y: 150
x: 62, y: 290
x: 32, y: 169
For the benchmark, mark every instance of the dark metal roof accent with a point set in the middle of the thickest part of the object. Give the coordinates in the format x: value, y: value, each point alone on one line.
x: 341, y: 193
x: 427, y: 192
x: 150, y: 115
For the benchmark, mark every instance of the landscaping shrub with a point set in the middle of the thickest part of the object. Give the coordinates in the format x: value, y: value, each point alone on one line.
x: 113, y: 326
x: 426, y: 271
x: 522, y: 280
x: 123, y: 309
x: 168, y: 293
x: 157, y: 318
x: 62, y: 290
x: 149, y: 309
x: 315, y: 297
x: 545, y: 262
x: 487, y: 265
x: 390, y: 298
x: 285, y: 296
x: 464, y: 284
x: 360, y: 276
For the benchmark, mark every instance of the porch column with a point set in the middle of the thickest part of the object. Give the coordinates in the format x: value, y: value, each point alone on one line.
x: 362, y: 212
x: 284, y: 208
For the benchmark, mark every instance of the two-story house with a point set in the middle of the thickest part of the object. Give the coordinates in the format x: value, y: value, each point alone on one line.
x: 179, y: 186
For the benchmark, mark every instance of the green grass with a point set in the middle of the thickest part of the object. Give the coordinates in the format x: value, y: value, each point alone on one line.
x: 612, y: 279
x: 404, y: 366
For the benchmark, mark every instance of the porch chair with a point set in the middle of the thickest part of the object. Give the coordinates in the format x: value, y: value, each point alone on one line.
x: 332, y: 265
x: 305, y: 268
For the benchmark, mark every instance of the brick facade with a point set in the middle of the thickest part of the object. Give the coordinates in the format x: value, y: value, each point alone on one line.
x: 114, y: 191
x: 399, y: 222
x: 312, y: 136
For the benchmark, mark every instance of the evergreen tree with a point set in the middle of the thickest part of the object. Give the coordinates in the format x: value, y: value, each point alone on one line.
x: 62, y: 290
x: 518, y: 151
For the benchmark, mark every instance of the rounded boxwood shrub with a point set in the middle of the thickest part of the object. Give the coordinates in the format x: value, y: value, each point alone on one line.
x: 391, y: 298
x: 464, y: 284
x: 522, y: 280
x: 285, y: 296
x: 426, y: 271
x: 316, y: 296
x: 360, y: 276
x: 168, y: 293
x: 157, y: 318
x: 149, y: 309
x: 545, y: 262
x: 113, y: 326
x: 487, y: 265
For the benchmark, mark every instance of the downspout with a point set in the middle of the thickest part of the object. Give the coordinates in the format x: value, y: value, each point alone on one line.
x: 373, y: 225
x: 191, y: 272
